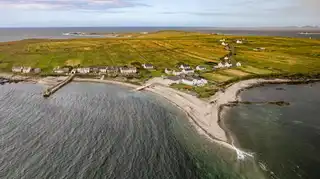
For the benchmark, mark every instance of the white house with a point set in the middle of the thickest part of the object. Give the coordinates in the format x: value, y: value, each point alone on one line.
x: 200, y: 68
x: 227, y: 65
x: 61, y: 70
x: 177, y: 73
x: 222, y: 40
x: 17, y: 69
x: 239, y: 42
x: 238, y: 64
x: 220, y: 65
x: 184, y: 66
x: 103, y: 70
x: 187, y: 71
x: 167, y: 71
x: 128, y: 70
x: 26, y: 70
x: 226, y: 58
x: 37, y: 70
x: 148, y: 66
x: 194, y: 81
x: 83, y: 70
x: 224, y: 44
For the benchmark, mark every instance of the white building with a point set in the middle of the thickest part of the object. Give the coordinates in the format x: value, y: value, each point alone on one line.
x: 220, y: 65
x: 222, y: 40
x: 61, y: 70
x: 239, y: 42
x: 200, y: 68
x: 148, y: 66
x: 238, y: 64
x: 17, y: 69
x: 194, y: 81
x: 226, y: 58
x: 103, y: 70
x: 128, y: 70
x: 177, y: 73
x: 184, y: 66
x: 168, y: 71
x: 187, y: 71
x: 26, y: 70
x: 224, y: 44
x: 83, y: 70
x: 227, y: 65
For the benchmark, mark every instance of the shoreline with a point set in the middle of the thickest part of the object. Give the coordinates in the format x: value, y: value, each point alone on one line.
x: 205, y: 116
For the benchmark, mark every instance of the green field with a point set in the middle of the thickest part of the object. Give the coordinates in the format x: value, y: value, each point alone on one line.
x: 165, y: 49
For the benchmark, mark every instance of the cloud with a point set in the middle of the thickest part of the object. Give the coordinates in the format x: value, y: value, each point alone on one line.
x: 68, y: 4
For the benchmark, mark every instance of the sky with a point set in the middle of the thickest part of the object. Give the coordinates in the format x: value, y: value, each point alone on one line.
x: 210, y: 13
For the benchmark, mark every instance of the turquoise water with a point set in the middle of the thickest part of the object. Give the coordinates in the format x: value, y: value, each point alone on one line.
x: 88, y: 130
x: 285, y: 139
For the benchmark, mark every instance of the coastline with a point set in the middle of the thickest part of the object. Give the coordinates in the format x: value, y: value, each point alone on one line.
x: 205, y: 116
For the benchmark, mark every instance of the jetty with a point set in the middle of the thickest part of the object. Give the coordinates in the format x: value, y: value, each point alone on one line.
x: 143, y: 87
x: 48, y: 92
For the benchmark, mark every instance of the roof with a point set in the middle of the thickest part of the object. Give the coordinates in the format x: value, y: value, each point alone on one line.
x: 201, y: 66
x: 174, y: 78
x: 148, y: 65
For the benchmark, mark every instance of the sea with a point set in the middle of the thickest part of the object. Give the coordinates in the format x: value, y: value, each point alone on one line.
x: 285, y: 139
x: 91, y: 130
x: 14, y: 34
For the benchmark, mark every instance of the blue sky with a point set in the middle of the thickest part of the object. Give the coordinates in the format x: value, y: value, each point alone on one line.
x: 216, y: 13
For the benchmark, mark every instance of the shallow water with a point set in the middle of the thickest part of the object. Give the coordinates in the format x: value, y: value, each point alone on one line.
x: 285, y: 139
x: 89, y: 130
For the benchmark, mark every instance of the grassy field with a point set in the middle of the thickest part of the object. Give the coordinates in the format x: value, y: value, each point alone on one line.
x: 165, y: 49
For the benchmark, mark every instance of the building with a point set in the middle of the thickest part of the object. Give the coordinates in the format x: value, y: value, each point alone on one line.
x: 184, y: 66
x: 168, y: 71
x: 174, y: 79
x: 37, y: 70
x: 128, y: 70
x: 201, y: 68
x: 177, y: 73
x: 226, y: 58
x: 187, y: 71
x: 238, y: 64
x: 61, y: 70
x: 103, y: 70
x: 148, y: 66
x: 26, y: 70
x: 222, y: 40
x: 83, y: 70
x: 73, y: 71
x: 220, y: 65
x: 17, y: 69
x: 112, y: 70
x: 194, y: 81
x: 95, y: 69
x: 144, y: 33
x: 227, y: 65
x: 239, y: 42
x: 224, y: 44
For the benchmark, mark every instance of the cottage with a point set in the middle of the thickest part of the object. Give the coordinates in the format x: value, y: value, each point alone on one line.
x: 177, y: 73
x: 61, y: 70
x: 148, y: 66
x: 83, y: 70
x: 184, y: 66
x: 238, y: 64
x: 195, y: 81
x: 17, y: 69
x: 112, y: 70
x: 187, y: 71
x: 227, y: 65
x: 200, y: 68
x: 224, y: 44
x: 103, y: 70
x: 95, y: 69
x: 174, y: 79
x: 128, y: 70
x: 220, y: 65
x: 168, y: 71
x: 37, y: 70
x: 222, y: 40
x: 226, y: 58
x: 239, y: 42
x: 26, y: 70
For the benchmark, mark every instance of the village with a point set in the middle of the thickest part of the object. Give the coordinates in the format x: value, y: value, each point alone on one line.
x: 181, y: 74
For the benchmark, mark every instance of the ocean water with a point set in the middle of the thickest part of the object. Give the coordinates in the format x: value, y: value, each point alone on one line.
x: 285, y: 139
x: 13, y: 34
x: 89, y: 131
